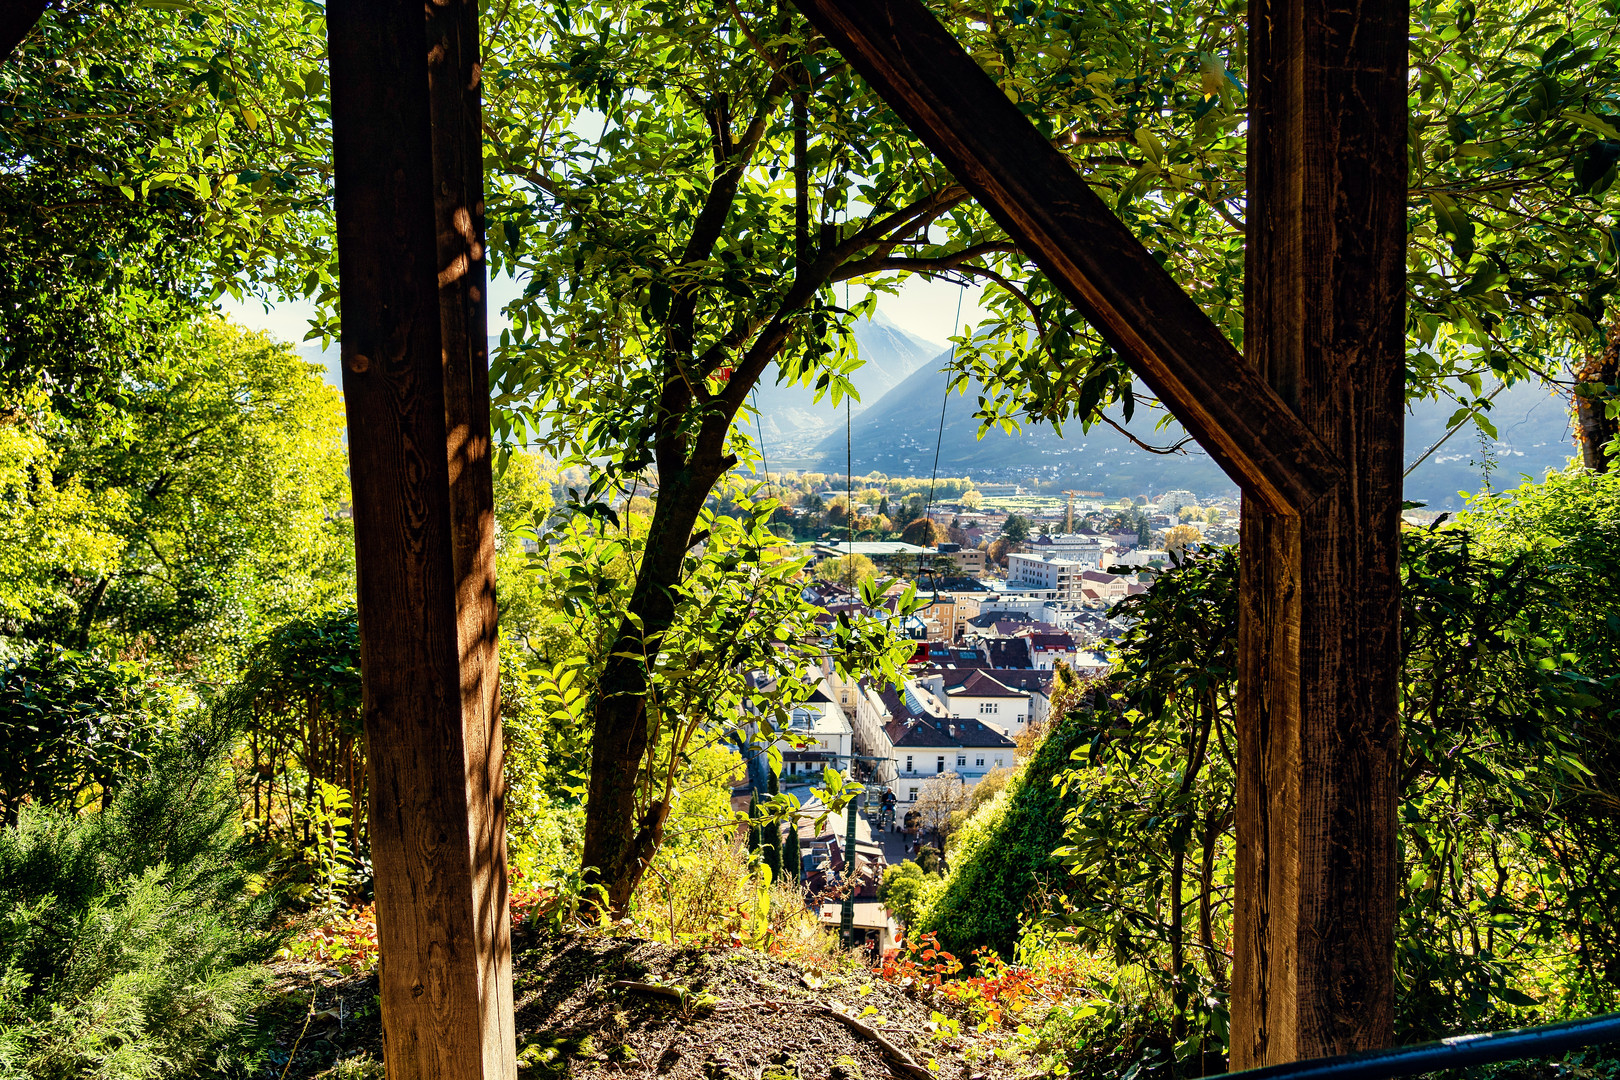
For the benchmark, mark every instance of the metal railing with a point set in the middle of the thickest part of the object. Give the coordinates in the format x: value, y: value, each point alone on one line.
x: 1515, y: 1044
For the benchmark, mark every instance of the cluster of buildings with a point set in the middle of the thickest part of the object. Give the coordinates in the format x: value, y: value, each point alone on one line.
x: 982, y: 673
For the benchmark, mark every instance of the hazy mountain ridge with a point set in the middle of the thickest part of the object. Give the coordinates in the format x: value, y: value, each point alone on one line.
x: 895, y: 425
x: 793, y: 421
x: 897, y: 433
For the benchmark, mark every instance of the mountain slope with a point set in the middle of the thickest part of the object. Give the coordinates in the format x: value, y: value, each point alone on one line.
x: 897, y: 433
x: 792, y: 419
x: 794, y: 422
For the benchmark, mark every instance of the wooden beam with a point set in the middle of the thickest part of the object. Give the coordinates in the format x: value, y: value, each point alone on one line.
x: 407, y: 161
x: 1033, y: 191
x: 17, y: 17
x: 1318, y: 630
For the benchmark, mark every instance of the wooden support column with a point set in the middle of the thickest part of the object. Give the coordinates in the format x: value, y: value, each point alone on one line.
x: 1319, y: 642
x: 408, y: 161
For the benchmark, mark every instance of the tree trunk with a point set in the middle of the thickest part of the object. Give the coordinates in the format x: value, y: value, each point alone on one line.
x: 1319, y: 645
x: 617, y: 844
x: 1178, y: 956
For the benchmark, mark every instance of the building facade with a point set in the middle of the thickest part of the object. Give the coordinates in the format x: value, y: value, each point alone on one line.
x: 1046, y: 575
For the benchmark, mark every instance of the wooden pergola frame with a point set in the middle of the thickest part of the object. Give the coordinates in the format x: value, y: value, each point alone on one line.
x: 1309, y: 422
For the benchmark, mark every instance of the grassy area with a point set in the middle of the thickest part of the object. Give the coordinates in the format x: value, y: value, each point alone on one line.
x: 1024, y: 504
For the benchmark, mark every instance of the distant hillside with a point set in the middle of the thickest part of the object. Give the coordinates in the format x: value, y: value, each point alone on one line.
x: 897, y: 434
x: 794, y: 422
x: 897, y: 421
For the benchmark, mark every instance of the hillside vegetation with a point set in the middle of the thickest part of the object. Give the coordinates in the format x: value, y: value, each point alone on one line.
x: 1001, y: 858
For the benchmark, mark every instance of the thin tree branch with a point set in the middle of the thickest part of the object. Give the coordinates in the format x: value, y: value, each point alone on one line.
x: 1176, y: 449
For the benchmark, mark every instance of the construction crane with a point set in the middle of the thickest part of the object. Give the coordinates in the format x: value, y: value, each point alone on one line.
x: 1068, y: 518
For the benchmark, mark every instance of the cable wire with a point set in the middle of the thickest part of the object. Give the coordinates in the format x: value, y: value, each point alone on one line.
x: 939, y: 440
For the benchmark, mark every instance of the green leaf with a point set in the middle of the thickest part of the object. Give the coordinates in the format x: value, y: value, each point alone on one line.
x: 1454, y: 224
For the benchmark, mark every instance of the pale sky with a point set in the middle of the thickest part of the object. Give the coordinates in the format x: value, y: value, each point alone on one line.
x: 924, y: 308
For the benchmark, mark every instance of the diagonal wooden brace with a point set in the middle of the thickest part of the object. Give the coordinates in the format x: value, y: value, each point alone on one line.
x: 1034, y: 192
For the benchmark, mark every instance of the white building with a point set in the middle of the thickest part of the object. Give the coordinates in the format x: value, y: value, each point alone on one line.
x: 868, y: 715
x: 921, y: 740
x: 966, y: 747
x: 1138, y: 558
x: 819, y: 734
x: 1079, y: 548
x: 1037, y: 608
x: 1045, y: 575
x: 1036, y: 683
x: 975, y: 694
x: 1171, y: 501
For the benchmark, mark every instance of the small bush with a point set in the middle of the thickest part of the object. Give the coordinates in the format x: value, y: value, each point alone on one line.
x: 904, y: 891
x: 711, y: 894
x: 132, y: 940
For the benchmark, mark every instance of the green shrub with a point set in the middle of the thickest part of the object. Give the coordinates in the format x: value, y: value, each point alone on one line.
x: 132, y: 941
x: 72, y: 724
x: 906, y: 890
x: 1003, y: 853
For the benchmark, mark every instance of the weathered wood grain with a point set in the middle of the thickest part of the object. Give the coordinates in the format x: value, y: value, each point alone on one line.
x: 1319, y: 640
x: 1033, y: 191
x: 418, y: 453
x: 455, y: 102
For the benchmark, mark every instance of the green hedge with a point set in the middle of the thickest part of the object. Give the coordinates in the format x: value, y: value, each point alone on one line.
x: 1004, y: 851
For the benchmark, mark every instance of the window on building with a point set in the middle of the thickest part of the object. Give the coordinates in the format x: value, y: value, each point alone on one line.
x: 913, y: 795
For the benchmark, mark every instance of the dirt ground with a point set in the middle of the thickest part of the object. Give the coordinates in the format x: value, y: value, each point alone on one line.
x: 715, y: 1014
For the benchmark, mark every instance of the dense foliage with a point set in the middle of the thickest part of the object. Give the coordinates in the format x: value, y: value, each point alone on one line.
x: 152, y: 155
x: 1509, y: 787
x: 132, y: 940
x: 1002, y: 856
x: 74, y: 727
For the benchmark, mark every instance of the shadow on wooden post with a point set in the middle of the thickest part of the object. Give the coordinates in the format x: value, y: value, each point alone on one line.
x: 408, y: 160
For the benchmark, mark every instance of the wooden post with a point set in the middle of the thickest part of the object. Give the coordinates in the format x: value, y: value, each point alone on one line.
x: 1319, y: 642
x: 1311, y: 427
x: 408, y: 160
